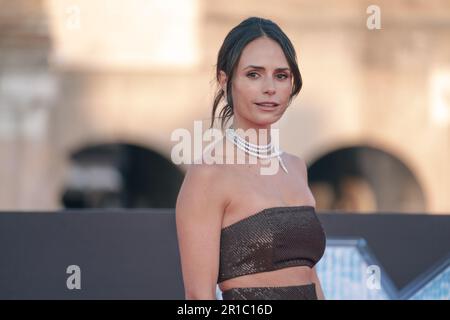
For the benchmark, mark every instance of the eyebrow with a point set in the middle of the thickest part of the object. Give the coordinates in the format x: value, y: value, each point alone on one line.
x: 262, y: 68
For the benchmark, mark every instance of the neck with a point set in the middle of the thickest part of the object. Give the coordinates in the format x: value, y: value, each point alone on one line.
x: 259, y: 135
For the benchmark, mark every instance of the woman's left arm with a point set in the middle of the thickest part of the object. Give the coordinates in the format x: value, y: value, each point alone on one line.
x: 304, y: 172
x: 316, y: 281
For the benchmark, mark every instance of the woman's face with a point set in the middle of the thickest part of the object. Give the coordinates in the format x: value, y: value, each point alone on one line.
x: 261, y: 85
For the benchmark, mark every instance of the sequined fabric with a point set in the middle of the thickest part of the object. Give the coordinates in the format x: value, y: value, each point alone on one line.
x: 274, y: 238
x: 302, y: 292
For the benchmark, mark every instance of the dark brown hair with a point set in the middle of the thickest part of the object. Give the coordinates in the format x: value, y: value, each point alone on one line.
x: 231, y: 50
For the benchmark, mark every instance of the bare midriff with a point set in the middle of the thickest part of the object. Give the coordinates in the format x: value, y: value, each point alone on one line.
x: 292, y: 276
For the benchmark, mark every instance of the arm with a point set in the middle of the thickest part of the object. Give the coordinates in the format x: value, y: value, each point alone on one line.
x: 303, y: 172
x: 316, y: 281
x: 199, y: 211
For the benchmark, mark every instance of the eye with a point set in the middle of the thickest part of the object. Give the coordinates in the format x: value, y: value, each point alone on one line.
x: 252, y: 75
x: 283, y: 76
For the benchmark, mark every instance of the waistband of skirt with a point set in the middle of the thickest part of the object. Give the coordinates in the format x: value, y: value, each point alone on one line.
x: 300, y: 286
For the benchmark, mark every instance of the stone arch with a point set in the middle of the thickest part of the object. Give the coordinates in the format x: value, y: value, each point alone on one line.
x: 119, y: 174
x: 365, y: 178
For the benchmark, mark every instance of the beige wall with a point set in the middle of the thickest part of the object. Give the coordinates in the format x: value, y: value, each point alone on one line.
x: 361, y: 87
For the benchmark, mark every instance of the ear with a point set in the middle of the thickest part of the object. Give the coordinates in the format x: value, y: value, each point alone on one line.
x: 223, y: 79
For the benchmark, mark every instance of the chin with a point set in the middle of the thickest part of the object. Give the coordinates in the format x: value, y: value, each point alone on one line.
x: 266, y: 122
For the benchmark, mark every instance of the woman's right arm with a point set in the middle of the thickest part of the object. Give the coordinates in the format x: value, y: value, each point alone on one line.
x: 199, y: 211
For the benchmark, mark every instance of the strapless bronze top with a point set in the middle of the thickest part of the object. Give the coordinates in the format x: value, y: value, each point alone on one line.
x: 271, y: 239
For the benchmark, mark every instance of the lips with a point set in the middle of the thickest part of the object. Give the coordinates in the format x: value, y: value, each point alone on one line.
x: 267, y: 104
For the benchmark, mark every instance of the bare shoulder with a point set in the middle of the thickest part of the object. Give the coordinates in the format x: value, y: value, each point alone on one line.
x: 299, y: 164
x: 203, y: 171
x: 302, y: 170
x: 202, y: 188
x: 203, y: 174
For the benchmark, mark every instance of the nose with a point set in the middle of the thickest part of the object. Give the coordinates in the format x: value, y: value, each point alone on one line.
x: 269, y: 87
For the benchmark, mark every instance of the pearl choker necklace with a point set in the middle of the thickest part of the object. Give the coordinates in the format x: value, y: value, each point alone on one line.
x: 260, y: 151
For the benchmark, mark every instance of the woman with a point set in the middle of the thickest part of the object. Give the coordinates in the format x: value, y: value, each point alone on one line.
x: 255, y: 235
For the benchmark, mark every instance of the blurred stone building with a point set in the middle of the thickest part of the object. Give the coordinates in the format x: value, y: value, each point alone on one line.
x: 90, y: 92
